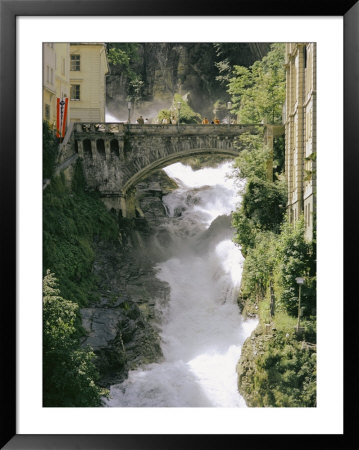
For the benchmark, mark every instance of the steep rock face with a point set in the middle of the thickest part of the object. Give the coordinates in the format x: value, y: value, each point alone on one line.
x: 123, y: 326
x: 185, y: 68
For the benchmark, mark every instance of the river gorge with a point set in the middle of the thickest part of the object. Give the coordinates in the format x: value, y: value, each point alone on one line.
x: 200, y: 327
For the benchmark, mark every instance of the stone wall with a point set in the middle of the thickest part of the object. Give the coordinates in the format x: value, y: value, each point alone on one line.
x: 117, y: 156
x: 300, y: 130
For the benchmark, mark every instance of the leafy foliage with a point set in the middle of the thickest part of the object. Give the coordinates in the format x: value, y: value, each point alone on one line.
x: 72, y: 220
x: 123, y: 58
x: 229, y: 54
x: 121, y: 55
x: 49, y: 151
x: 263, y: 201
x: 281, y: 372
x: 296, y: 257
x: 259, y: 265
x: 285, y: 374
x: 187, y: 115
x: 69, y: 373
x: 253, y: 156
x: 258, y: 92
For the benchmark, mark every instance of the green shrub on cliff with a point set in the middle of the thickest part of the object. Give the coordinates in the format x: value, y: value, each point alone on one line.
x: 72, y: 220
x: 282, y: 374
x: 49, y: 151
x: 69, y: 373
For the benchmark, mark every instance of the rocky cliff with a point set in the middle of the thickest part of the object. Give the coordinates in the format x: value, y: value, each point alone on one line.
x: 123, y: 326
x: 189, y: 69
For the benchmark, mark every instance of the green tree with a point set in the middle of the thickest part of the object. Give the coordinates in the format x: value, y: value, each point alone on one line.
x: 187, y: 115
x: 69, y: 372
x: 263, y: 202
x: 295, y: 258
x: 253, y: 156
x: 122, y: 57
x: 258, y: 92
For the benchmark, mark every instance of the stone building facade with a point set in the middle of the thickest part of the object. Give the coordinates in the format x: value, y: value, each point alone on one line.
x: 48, y: 83
x: 62, y: 53
x: 78, y: 72
x: 300, y: 133
x: 88, y: 69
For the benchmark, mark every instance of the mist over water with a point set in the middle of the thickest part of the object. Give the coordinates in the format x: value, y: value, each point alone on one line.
x: 201, y: 330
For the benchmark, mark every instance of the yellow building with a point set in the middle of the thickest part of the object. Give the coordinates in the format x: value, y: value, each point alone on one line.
x: 56, y: 78
x: 88, y: 69
x: 62, y: 55
x: 48, y: 83
x: 300, y: 132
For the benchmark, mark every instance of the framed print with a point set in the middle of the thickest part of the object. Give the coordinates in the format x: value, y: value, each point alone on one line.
x: 110, y: 100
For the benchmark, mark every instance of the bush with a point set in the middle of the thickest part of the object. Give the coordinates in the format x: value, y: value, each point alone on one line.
x: 286, y: 374
x: 295, y: 258
x: 49, y: 151
x: 69, y: 372
x: 72, y: 220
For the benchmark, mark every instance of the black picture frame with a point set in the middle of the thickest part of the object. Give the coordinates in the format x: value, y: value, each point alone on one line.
x: 9, y: 10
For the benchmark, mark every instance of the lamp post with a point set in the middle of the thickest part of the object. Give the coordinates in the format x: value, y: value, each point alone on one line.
x: 129, y: 106
x: 299, y: 281
x: 229, y: 106
x: 179, y: 113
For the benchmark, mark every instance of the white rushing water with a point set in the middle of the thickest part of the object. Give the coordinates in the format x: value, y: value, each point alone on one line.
x: 202, y: 331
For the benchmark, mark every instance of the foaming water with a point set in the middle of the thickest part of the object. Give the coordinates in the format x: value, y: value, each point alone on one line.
x: 202, y: 331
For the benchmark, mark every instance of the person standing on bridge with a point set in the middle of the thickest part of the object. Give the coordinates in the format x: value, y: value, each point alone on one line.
x: 205, y: 120
x: 140, y: 120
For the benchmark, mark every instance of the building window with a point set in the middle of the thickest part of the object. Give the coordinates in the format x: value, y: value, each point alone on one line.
x: 75, y: 92
x: 75, y: 62
x: 63, y: 66
x: 47, y: 73
x: 52, y: 76
x: 47, y: 111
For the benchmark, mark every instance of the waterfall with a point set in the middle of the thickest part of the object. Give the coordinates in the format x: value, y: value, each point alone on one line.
x: 201, y: 329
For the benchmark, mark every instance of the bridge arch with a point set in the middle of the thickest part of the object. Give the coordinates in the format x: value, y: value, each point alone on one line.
x: 118, y: 156
x: 172, y: 158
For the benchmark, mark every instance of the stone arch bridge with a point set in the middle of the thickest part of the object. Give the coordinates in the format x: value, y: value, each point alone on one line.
x: 116, y: 156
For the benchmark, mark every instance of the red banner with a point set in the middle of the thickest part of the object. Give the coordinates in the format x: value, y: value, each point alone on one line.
x: 61, y: 108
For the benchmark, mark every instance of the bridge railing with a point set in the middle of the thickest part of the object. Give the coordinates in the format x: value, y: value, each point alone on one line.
x: 121, y: 127
x: 95, y: 127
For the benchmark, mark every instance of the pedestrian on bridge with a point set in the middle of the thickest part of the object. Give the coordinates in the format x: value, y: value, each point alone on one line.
x: 140, y: 120
x: 205, y: 121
